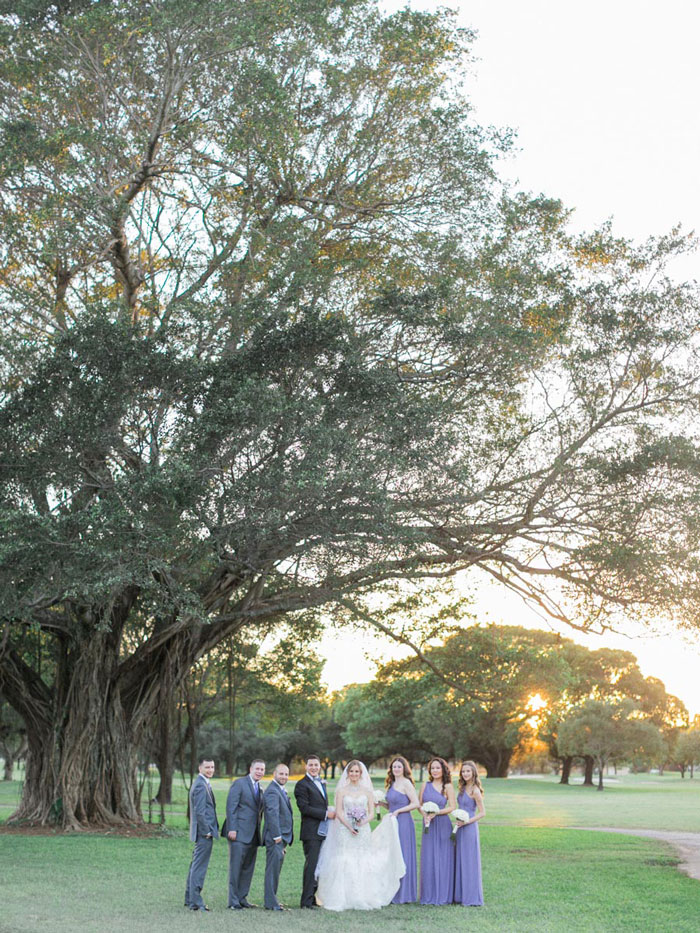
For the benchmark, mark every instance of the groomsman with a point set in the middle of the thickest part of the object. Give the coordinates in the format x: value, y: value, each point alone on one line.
x: 312, y: 800
x: 244, y: 807
x: 204, y: 828
x: 277, y: 834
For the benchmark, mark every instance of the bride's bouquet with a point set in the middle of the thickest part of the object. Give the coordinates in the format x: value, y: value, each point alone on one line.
x: 379, y: 797
x: 462, y: 816
x: 356, y: 814
x: 429, y: 807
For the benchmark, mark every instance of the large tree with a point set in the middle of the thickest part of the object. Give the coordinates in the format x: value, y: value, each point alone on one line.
x: 608, y: 731
x: 378, y: 718
x: 686, y: 752
x: 273, y: 336
x: 612, y: 675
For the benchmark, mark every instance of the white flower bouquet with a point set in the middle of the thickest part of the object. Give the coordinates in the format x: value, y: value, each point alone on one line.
x: 429, y: 808
x: 460, y: 815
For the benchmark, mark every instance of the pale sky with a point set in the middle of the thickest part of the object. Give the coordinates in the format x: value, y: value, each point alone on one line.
x: 604, y: 97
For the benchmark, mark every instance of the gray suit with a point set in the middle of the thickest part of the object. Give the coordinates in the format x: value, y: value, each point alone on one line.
x: 204, y: 829
x: 279, y: 823
x: 243, y: 815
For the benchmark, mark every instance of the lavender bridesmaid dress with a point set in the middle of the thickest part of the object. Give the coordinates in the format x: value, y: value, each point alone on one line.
x: 437, y: 856
x: 408, y: 889
x: 468, y: 889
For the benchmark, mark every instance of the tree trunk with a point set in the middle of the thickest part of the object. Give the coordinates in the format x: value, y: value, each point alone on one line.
x: 496, y: 763
x: 566, y: 763
x: 588, y: 765
x: 81, y: 762
x: 165, y: 748
x: 9, y: 762
x: 11, y: 756
x: 231, y: 711
x: 600, y: 775
x: 165, y: 760
x: 83, y: 732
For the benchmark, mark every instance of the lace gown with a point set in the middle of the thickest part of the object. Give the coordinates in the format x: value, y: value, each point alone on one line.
x: 359, y: 872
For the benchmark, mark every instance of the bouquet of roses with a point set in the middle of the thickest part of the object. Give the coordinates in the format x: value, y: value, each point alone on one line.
x: 462, y: 816
x: 356, y: 814
x: 429, y: 807
x: 379, y: 797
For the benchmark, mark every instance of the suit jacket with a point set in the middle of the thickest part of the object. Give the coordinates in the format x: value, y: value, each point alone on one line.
x: 202, y: 810
x: 278, y: 815
x: 243, y: 812
x: 313, y: 805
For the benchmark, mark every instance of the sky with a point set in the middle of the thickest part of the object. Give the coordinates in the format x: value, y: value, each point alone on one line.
x: 604, y: 99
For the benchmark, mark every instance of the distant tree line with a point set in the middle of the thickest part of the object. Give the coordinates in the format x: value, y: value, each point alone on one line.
x: 488, y: 692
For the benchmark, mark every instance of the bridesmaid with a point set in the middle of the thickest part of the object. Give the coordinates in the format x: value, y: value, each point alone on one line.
x: 437, y: 860
x: 468, y: 889
x: 401, y: 799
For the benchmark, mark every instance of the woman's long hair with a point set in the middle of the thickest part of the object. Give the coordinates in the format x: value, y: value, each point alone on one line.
x: 462, y: 782
x: 446, y: 776
x: 406, y: 771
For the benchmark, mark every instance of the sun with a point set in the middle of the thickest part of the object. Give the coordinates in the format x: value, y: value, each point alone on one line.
x: 536, y: 703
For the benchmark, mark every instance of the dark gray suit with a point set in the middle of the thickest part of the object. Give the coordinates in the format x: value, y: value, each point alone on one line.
x: 204, y: 828
x: 279, y: 823
x: 243, y: 815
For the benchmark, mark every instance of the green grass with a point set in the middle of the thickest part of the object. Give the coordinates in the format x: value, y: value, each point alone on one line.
x: 632, y: 801
x: 538, y: 874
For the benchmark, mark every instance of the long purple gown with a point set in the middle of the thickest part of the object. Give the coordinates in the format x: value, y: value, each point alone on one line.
x: 437, y: 857
x: 468, y: 889
x: 408, y: 889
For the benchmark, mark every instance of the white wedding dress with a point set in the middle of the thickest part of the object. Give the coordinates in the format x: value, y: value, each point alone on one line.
x: 359, y: 872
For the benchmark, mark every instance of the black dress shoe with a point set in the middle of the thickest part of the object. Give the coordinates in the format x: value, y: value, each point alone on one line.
x: 235, y: 907
x: 246, y: 904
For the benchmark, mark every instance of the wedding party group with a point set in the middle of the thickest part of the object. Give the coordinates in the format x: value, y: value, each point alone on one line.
x: 347, y: 865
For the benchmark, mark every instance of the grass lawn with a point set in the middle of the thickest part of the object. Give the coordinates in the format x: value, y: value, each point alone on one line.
x: 538, y: 874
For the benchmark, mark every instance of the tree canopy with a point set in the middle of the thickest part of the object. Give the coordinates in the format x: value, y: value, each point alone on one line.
x: 275, y: 335
x: 608, y: 731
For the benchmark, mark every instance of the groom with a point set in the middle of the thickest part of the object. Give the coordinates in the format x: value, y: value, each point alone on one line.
x: 312, y: 800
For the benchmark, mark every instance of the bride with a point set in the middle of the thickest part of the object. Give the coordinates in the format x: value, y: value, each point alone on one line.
x: 358, y: 869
